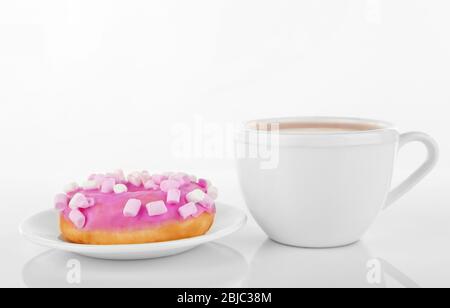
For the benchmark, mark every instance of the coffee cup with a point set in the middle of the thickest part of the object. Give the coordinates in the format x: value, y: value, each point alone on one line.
x: 320, y: 182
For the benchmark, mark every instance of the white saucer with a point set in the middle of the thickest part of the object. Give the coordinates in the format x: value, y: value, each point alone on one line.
x: 42, y: 229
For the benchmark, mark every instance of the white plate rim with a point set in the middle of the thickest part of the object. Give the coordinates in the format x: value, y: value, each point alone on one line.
x: 176, y: 244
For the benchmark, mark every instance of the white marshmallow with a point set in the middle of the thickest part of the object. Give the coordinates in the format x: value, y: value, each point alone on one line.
x: 196, y: 196
x: 135, y: 179
x: 61, y: 201
x: 193, y: 178
x: 77, y: 218
x: 145, y: 176
x: 91, y: 185
x: 213, y: 192
x: 79, y: 201
x: 132, y: 208
x: 69, y: 188
x: 150, y: 184
x: 118, y: 175
x: 120, y: 188
x: 173, y: 196
x: 188, y: 210
x: 156, y: 208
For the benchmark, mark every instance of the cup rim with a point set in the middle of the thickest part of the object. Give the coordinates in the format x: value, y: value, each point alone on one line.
x: 381, y: 125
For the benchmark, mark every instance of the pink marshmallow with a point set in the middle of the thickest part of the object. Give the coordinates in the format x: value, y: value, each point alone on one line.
x: 167, y: 185
x: 118, y: 175
x: 207, y: 202
x: 188, y: 210
x: 72, y: 187
x: 173, y: 196
x: 213, y: 192
x: 150, y: 184
x: 135, y: 179
x: 203, y: 183
x: 98, y: 178
x: 196, y: 195
x: 198, y: 214
x: 91, y: 185
x: 145, y: 176
x: 182, y: 178
x: 108, y: 185
x: 178, y: 176
x: 77, y: 218
x: 187, y: 179
x: 156, y: 208
x: 157, y: 178
x: 61, y: 202
x: 79, y: 201
x: 193, y: 178
x: 132, y: 208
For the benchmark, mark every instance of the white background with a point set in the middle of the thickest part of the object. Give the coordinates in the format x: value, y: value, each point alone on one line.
x: 93, y: 85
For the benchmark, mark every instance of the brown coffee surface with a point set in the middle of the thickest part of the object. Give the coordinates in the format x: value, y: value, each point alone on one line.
x: 314, y: 127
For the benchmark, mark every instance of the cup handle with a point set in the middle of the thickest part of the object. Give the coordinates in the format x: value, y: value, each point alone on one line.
x: 424, y: 169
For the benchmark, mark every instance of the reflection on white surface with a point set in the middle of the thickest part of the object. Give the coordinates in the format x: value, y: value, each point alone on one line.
x: 210, y: 265
x: 275, y: 265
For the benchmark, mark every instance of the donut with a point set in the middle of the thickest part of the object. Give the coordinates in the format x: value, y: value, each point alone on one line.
x: 114, y: 209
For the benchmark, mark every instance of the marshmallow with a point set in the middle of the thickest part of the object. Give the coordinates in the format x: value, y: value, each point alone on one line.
x: 186, y: 180
x: 79, y: 201
x: 135, y: 179
x: 61, y: 202
x: 177, y: 176
x: 150, y: 184
x: 77, y: 218
x: 120, y: 188
x: 108, y: 185
x: 145, y: 176
x: 118, y: 175
x: 213, y: 192
x: 98, y: 178
x: 167, y: 185
x: 173, y: 196
x: 196, y: 196
x: 90, y: 185
x: 72, y: 187
x: 156, y: 208
x: 203, y: 183
x: 207, y: 202
x: 187, y: 210
x: 157, y: 178
x: 182, y: 178
x: 132, y: 208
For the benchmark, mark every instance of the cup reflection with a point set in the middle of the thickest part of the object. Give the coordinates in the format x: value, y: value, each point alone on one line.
x: 276, y: 265
x: 211, y: 265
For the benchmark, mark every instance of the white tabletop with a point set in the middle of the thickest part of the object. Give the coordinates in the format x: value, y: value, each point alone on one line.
x: 86, y: 86
x: 407, y: 246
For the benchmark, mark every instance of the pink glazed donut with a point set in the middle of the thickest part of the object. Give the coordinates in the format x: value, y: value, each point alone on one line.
x: 111, y: 209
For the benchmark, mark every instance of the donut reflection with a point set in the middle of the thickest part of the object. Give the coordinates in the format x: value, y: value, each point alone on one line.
x: 211, y: 265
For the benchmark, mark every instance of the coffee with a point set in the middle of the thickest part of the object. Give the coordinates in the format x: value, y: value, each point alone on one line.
x: 313, y: 127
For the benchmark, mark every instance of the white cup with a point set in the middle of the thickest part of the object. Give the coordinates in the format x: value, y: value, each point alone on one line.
x: 323, y: 189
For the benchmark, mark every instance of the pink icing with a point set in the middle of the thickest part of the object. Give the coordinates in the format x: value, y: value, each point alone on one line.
x: 107, y: 214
